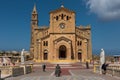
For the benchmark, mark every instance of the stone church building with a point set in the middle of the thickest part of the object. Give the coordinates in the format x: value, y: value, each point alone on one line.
x: 62, y: 40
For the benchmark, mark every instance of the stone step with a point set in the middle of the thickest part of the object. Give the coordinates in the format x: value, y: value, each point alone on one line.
x: 60, y: 78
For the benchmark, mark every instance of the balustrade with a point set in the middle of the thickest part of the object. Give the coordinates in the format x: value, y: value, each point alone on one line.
x: 113, y: 69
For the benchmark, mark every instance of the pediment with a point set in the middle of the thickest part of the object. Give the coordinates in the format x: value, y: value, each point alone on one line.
x: 62, y: 38
x: 62, y: 9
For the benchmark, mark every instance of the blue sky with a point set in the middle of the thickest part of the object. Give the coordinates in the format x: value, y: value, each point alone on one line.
x: 102, y: 15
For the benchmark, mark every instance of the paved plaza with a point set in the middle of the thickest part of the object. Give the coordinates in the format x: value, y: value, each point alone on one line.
x: 69, y: 72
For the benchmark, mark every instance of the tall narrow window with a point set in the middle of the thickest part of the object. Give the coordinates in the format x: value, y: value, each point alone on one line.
x: 46, y: 43
x: 78, y: 43
x: 67, y: 18
x: 62, y: 16
x: 43, y: 43
x: 56, y: 17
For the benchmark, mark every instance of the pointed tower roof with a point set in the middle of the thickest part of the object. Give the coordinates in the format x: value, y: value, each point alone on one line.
x: 34, y: 9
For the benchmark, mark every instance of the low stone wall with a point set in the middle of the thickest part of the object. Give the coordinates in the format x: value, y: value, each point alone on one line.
x: 28, y: 69
x: 113, y: 70
x: 16, y: 70
x: 5, y: 69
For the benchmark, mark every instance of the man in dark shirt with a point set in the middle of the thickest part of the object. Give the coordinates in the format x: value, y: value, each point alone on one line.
x: 104, y: 68
x: 57, y: 70
x: 44, y: 67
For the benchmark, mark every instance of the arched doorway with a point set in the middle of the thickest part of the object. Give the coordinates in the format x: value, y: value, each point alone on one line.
x: 62, y: 52
x: 45, y: 57
x: 79, y: 56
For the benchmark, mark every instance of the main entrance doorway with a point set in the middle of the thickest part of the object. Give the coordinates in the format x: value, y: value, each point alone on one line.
x: 62, y: 52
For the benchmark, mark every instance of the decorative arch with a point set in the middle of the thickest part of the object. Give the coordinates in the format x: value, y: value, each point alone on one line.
x: 45, y: 55
x: 80, y: 55
x: 62, y: 52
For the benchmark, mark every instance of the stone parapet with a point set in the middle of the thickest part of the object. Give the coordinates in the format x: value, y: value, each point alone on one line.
x: 112, y: 69
x: 16, y: 70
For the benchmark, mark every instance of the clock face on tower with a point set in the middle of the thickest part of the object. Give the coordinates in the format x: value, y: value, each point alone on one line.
x: 62, y: 25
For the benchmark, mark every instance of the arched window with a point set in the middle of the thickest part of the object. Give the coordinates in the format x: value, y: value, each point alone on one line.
x: 46, y: 43
x: 43, y: 43
x: 57, y: 17
x: 67, y: 17
x: 62, y: 16
x: 78, y: 43
x: 45, y: 57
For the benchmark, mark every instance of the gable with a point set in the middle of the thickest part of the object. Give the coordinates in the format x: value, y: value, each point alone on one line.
x: 62, y: 9
x: 62, y: 38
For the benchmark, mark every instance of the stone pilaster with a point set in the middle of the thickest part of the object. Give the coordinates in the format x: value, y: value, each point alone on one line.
x: 89, y: 49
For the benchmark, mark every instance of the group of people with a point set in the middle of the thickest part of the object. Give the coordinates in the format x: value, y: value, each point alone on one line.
x: 57, y: 70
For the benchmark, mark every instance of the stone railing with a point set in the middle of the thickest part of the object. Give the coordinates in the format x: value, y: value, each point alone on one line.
x: 5, y: 69
x: 112, y: 69
x: 16, y: 70
x: 27, y: 69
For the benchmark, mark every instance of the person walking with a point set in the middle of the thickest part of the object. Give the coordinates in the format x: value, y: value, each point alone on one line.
x: 57, y: 71
x: 87, y: 65
x: 43, y: 67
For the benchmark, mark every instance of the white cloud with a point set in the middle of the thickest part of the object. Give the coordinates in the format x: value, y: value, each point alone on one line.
x: 105, y: 9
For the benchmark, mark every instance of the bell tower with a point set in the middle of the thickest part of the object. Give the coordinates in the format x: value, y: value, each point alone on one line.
x: 34, y: 25
x: 34, y: 17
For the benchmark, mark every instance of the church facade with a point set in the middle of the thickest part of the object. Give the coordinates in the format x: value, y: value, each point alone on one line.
x: 62, y: 40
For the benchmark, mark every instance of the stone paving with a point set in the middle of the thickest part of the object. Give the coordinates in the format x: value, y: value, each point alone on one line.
x: 62, y: 78
x: 78, y: 73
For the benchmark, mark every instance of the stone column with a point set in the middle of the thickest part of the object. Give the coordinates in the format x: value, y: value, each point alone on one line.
x: 69, y: 51
x: 56, y: 54
x: 38, y: 49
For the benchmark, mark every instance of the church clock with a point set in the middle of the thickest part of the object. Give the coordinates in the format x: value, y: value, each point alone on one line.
x: 62, y: 25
